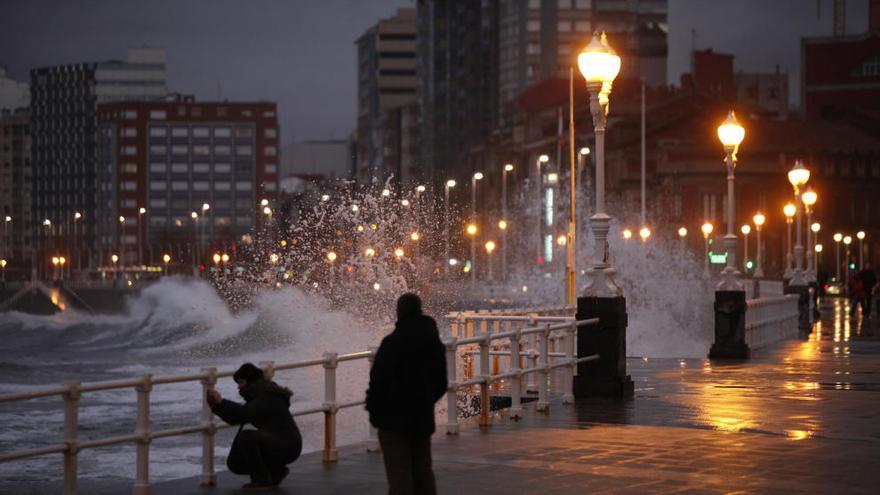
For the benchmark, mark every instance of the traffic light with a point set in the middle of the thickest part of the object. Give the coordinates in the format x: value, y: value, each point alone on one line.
x: 852, y: 266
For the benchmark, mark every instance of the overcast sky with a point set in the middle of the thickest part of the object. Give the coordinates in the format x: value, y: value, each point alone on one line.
x: 301, y: 53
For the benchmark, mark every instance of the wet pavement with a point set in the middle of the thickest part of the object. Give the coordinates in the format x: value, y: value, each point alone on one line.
x: 800, y: 417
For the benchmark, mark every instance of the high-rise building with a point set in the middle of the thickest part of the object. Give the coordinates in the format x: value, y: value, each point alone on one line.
x: 13, y: 94
x: 540, y: 39
x: 64, y: 101
x: 171, y: 158
x: 386, y: 86
x: 319, y: 159
x: 458, y: 81
x: 15, y: 186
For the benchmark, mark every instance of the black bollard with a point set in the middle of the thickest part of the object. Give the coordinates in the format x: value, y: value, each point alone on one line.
x: 606, y: 376
x: 730, y: 326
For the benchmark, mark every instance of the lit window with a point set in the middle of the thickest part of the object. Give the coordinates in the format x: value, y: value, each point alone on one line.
x: 271, y: 168
x: 158, y: 131
x: 533, y: 26
x: 271, y: 132
x: 158, y: 185
x: 179, y: 131
x: 201, y: 132
x: 179, y: 185
x: 222, y: 221
x: 268, y: 113
x: 241, y: 132
x: 130, y: 114
x: 129, y: 168
x: 201, y: 185
x: 157, y: 114
x: 222, y: 132
x: 201, y: 150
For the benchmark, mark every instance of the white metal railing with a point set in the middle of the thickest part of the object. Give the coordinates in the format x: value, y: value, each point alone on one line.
x: 143, y: 385
x: 771, y: 319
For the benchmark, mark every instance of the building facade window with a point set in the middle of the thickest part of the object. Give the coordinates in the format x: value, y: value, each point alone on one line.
x: 270, y: 151
x: 179, y: 132
x: 222, y: 132
x: 201, y: 132
x: 128, y: 132
x: 244, y: 150
x: 222, y: 168
x: 158, y: 114
x: 129, y: 150
x: 129, y: 168
x: 271, y: 168
x: 158, y: 185
x: 271, y: 132
x: 201, y: 168
x: 158, y: 131
x: 179, y: 185
x: 158, y: 168
x: 179, y: 168
x: 243, y: 185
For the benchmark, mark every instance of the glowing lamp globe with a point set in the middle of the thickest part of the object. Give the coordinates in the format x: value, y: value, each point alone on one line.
x: 478, y: 176
x: 331, y: 256
x: 759, y: 219
x: 838, y: 237
x: 472, y: 229
x: 860, y: 234
x: 508, y: 168
x: 490, y: 246
x: 627, y: 234
x: 707, y: 229
x: 847, y: 240
x: 809, y: 197
x: 746, y: 229
x: 682, y: 232
x: 730, y: 133
x: 216, y: 258
x: 585, y: 151
x: 818, y: 248
x: 815, y: 227
x: 450, y: 183
x: 598, y: 62
x: 370, y: 252
x: 543, y: 158
x: 645, y: 233
x: 798, y: 175
x: 789, y: 210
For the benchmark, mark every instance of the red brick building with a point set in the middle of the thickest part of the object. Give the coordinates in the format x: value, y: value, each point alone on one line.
x: 170, y: 158
x: 840, y: 75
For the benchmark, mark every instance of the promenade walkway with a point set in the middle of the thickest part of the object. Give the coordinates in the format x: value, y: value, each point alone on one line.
x: 801, y: 417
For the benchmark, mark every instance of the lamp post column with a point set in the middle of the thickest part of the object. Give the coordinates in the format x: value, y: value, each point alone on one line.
x: 837, y: 249
x: 746, y: 250
x: 810, y: 274
x: 730, y: 275
x: 507, y: 168
x: 759, y: 271
x: 449, y: 184
x: 860, y: 235
x: 789, y: 258
x: 798, y: 276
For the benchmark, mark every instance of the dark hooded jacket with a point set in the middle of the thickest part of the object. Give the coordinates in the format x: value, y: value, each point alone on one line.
x: 267, y: 407
x: 408, y: 376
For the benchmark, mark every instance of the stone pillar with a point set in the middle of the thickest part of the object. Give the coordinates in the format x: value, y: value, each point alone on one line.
x: 730, y: 326
x: 804, y: 316
x: 606, y: 376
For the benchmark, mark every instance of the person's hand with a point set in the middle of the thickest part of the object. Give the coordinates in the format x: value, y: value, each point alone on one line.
x: 214, y: 397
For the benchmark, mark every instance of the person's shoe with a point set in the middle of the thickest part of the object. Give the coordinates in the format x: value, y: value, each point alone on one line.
x: 256, y: 487
x: 276, y: 480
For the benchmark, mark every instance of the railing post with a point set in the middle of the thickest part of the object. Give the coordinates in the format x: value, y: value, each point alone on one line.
x: 496, y: 360
x: 330, y: 407
x: 142, y: 429
x: 452, y: 388
x: 569, y: 371
x: 531, y: 380
x: 373, y: 441
x: 543, y: 403
x: 516, y: 376
x: 209, y: 478
x: 484, y: 384
x: 71, y: 428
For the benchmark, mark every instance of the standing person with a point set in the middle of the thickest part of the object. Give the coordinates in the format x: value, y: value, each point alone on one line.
x: 408, y: 376
x: 263, y: 453
x: 870, y: 280
x: 856, y: 294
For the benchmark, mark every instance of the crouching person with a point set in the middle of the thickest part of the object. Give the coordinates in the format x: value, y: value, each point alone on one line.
x: 264, y: 453
x: 408, y: 376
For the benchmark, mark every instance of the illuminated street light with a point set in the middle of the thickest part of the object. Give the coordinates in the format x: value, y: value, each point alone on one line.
x: 644, y: 233
x: 707, y: 229
x: 746, y: 229
x: 265, y: 202
x: 324, y: 198
x: 420, y: 188
x: 553, y: 178
x: 809, y: 197
x: 449, y: 185
x: 599, y: 64
x: 585, y: 151
x: 355, y: 208
x: 837, y: 238
x: 682, y: 232
x: 370, y: 252
x: 399, y: 253
x: 627, y: 234
x: 490, y: 247
x: 561, y: 240
x: 216, y: 258
x: 404, y: 202
x: 502, y: 225
x: 508, y: 168
x: 414, y: 236
x: 731, y: 135
x: 758, y: 220
x: 224, y: 258
x: 847, y: 240
x: 376, y: 286
x: 471, y: 229
x: 789, y: 210
x: 798, y: 177
x: 331, y: 256
x: 114, y: 258
x: 453, y: 261
x: 273, y: 258
x: 386, y: 193
x: 360, y: 228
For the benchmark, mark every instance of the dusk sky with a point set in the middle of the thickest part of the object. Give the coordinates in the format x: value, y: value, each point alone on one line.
x: 302, y: 53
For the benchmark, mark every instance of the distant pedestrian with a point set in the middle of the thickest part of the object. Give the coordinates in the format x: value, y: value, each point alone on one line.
x: 870, y: 280
x: 263, y: 453
x: 407, y: 378
x: 856, y: 294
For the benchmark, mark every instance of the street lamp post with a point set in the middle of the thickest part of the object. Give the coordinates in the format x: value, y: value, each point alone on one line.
x: 746, y: 229
x: 789, y: 211
x: 798, y: 176
x: 490, y: 247
x: 195, y: 218
x: 809, y: 197
x: 707, y: 231
x: 122, y: 239
x: 837, y: 238
x: 731, y: 134
x: 538, y: 202
x: 77, y: 216
x: 165, y: 259
x: 759, y: 220
x: 205, y: 243
x: 847, y: 240
x: 503, y: 223
x: 860, y: 235
x: 449, y: 185
x: 599, y: 65
x: 474, y: 178
x: 472, y: 231
x: 140, y: 226
x: 6, y: 221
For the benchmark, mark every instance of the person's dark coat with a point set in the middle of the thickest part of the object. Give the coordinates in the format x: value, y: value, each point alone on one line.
x: 267, y: 407
x: 408, y: 376
x: 868, y: 278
